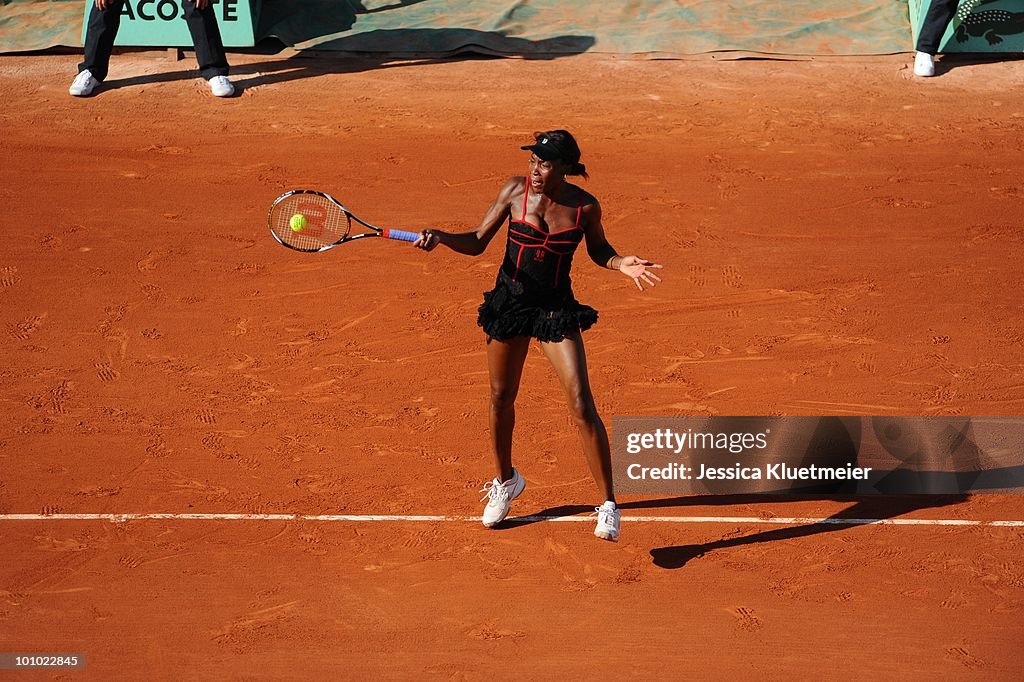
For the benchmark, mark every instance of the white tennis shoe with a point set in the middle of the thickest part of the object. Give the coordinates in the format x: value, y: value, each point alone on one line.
x: 924, y: 65
x: 220, y: 86
x: 608, y: 518
x: 499, y: 498
x: 84, y: 84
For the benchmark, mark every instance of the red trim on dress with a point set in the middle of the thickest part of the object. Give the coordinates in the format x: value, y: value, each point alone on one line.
x: 546, y: 242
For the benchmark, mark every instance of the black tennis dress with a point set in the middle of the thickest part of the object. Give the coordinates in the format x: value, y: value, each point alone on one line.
x: 533, y: 294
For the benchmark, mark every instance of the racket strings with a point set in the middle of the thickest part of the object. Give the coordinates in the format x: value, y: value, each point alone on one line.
x: 309, y: 222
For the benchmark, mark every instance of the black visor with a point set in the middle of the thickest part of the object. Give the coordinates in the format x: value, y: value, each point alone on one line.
x: 545, y: 148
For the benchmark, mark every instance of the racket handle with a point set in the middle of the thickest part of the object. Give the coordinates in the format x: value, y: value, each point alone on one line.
x: 400, y: 235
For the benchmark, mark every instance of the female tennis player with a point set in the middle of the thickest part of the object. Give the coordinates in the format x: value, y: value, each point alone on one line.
x: 547, y: 217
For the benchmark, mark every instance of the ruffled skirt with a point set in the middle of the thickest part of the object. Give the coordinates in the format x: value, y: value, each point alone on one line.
x: 510, y: 310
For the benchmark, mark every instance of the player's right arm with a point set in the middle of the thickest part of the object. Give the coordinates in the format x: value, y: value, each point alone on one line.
x: 474, y: 242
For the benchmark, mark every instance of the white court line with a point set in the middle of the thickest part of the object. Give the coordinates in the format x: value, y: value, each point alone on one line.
x: 363, y: 518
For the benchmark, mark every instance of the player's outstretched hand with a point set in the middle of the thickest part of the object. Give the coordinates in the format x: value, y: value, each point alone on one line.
x: 427, y: 241
x: 640, y: 270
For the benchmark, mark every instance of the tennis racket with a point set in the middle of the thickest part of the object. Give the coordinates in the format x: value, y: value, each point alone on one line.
x: 311, y: 221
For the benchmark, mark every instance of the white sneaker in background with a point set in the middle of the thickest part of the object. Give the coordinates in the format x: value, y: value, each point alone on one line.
x: 499, y: 498
x: 924, y: 65
x: 607, y: 522
x: 220, y: 86
x: 84, y: 84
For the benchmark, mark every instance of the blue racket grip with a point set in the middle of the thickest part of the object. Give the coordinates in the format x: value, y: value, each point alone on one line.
x: 401, y: 235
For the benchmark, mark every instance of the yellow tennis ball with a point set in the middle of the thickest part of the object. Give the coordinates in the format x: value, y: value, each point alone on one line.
x: 297, y: 222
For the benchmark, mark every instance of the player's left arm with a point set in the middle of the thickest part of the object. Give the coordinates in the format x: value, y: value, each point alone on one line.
x: 640, y: 270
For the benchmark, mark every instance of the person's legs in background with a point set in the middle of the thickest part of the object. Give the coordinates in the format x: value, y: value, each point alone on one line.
x: 213, y: 62
x: 99, y: 43
x: 940, y: 13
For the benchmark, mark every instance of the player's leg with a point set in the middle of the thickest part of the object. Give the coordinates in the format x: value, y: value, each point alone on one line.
x: 505, y: 360
x: 210, y: 54
x: 570, y: 362
x: 100, y: 33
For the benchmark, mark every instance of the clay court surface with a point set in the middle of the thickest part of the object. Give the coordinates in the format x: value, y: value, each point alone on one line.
x: 838, y: 238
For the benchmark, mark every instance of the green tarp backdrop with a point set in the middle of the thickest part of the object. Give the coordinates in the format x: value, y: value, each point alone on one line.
x: 532, y: 27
